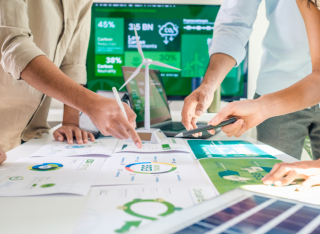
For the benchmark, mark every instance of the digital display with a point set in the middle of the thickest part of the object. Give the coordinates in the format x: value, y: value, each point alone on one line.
x: 159, y: 110
x: 177, y: 35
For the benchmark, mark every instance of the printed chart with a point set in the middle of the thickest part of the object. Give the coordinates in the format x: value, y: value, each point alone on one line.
x: 168, y: 145
x: 120, y: 209
x: 103, y: 147
x: 168, y: 169
x: 54, y: 175
x: 228, y: 174
x: 229, y: 149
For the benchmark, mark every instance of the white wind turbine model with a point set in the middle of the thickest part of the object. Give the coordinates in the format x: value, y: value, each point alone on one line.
x: 147, y: 134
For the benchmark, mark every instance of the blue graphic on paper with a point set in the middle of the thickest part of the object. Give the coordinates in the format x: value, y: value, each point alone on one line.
x: 218, y: 149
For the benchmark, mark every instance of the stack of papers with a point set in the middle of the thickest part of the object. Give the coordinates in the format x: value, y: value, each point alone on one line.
x: 132, y: 186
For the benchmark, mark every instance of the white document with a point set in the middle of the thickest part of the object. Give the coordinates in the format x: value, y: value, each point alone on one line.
x: 54, y: 175
x: 310, y: 196
x: 119, y: 209
x: 168, y: 145
x: 103, y: 146
x: 165, y: 169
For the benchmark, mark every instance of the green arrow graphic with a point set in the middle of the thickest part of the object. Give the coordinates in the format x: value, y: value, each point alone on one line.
x: 126, y: 227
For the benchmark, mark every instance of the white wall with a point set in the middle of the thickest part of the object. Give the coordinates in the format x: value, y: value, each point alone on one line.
x: 255, y: 49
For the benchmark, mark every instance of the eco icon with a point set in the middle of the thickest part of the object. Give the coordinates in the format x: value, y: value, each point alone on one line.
x: 127, y: 208
x: 168, y: 31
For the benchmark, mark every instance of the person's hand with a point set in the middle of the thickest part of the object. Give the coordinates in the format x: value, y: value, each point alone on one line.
x: 107, y: 116
x: 69, y: 131
x: 250, y: 113
x: 3, y: 155
x: 195, y: 105
x: 283, y: 174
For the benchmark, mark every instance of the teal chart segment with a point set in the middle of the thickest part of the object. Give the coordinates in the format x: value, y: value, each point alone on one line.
x: 226, y: 149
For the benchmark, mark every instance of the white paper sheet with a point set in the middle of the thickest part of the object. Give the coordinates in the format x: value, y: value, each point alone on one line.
x: 165, y: 169
x: 54, y: 175
x: 117, y: 209
x: 169, y: 145
x: 103, y: 146
x: 311, y: 195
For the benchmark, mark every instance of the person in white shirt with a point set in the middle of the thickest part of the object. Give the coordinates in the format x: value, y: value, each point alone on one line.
x: 296, y: 97
x: 285, y: 61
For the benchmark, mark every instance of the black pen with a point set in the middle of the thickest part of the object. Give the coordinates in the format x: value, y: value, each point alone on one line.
x: 206, y: 128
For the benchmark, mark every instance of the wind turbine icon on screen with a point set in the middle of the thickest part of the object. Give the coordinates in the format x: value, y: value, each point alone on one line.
x: 154, y: 135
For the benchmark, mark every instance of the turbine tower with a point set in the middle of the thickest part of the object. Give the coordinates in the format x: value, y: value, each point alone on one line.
x: 147, y: 62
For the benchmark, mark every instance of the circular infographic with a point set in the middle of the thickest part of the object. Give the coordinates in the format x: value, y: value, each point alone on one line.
x: 16, y: 178
x: 77, y: 146
x: 46, y: 167
x: 151, y: 167
x: 47, y: 185
x: 170, y: 208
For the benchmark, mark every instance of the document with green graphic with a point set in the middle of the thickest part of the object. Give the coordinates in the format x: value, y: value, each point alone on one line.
x: 226, y: 149
x: 177, y: 169
x: 168, y: 145
x: 103, y: 146
x: 228, y: 174
x: 118, y: 209
x: 54, y: 175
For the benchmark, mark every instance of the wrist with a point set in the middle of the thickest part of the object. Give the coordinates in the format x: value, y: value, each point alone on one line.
x: 265, y: 106
x: 70, y: 124
x: 90, y: 102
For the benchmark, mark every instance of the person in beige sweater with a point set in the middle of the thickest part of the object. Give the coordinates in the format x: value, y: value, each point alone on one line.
x: 43, y: 48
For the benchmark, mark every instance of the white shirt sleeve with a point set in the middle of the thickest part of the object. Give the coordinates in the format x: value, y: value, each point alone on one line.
x: 233, y: 27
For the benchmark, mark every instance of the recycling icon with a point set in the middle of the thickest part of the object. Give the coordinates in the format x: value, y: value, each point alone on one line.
x: 169, y: 31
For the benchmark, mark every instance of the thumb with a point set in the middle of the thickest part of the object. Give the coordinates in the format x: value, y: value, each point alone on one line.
x: 222, y: 115
x: 200, y: 108
x: 58, y: 136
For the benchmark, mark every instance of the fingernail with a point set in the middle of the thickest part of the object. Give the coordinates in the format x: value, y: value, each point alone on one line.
x: 240, y: 122
x: 80, y: 141
x: 71, y: 142
x: 199, y: 112
x: 278, y: 183
x: 60, y: 138
x: 267, y: 182
x: 138, y: 145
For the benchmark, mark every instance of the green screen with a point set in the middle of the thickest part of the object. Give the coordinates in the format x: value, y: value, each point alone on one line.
x: 177, y: 35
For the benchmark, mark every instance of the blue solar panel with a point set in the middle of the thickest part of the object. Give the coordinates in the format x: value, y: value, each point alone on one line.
x: 292, y: 224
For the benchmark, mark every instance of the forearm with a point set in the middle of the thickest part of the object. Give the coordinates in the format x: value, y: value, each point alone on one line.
x: 44, y: 76
x: 219, y: 66
x: 70, y: 115
x: 301, y: 95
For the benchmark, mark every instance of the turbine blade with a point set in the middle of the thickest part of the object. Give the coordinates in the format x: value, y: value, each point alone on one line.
x: 136, y: 72
x: 138, y: 42
x: 164, y: 65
